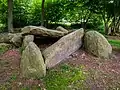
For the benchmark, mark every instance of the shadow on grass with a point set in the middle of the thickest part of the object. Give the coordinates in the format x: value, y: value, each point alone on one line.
x: 65, y: 77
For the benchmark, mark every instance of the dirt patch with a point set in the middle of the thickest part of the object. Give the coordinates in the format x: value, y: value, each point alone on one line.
x: 10, y: 78
x: 9, y: 64
x: 103, y: 73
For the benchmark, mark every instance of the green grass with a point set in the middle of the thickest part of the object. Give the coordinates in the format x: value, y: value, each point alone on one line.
x: 65, y: 77
x: 3, y: 49
x: 13, y: 77
x: 115, y: 43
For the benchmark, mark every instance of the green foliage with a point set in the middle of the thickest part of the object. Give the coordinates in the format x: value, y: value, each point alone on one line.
x: 108, y: 9
x: 54, y: 11
x: 2, y: 27
x: 4, y: 49
x: 85, y: 13
x: 64, y: 78
x: 13, y: 77
x: 21, y: 49
x: 35, y: 12
x: 3, y: 14
x: 28, y: 12
x: 21, y: 13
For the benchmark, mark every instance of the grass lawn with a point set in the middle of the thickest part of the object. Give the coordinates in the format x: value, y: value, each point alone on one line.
x: 65, y: 77
x: 115, y: 43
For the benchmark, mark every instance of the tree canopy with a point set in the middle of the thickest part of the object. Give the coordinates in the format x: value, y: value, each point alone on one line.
x: 89, y: 14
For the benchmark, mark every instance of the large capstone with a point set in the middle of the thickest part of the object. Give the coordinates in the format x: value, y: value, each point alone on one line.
x: 32, y: 62
x: 96, y: 44
x: 63, y: 48
x: 6, y: 37
x: 41, y: 31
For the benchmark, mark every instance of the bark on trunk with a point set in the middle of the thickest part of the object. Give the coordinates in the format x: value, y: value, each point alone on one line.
x: 10, y: 15
x: 42, y: 15
x: 106, y: 28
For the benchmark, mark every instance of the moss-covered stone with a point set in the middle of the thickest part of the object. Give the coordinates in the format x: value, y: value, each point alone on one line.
x: 97, y: 44
x: 32, y: 63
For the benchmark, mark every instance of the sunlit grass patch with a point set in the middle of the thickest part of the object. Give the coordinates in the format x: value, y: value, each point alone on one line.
x: 115, y: 43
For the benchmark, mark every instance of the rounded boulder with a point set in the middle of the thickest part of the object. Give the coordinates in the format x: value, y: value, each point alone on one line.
x: 96, y: 44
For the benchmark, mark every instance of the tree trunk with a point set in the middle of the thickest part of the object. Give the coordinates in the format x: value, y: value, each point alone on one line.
x: 42, y: 15
x: 87, y: 21
x: 10, y: 15
x: 106, y: 28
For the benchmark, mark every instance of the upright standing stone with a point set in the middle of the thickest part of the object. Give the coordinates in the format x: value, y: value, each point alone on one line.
x: 27, y: 39
x: 63, y: 48
x: 32, y: 62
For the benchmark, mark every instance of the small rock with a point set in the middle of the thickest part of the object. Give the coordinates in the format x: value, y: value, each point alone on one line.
x: 17, y: 40
x: 27, y: 39
x: 59, y: 28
